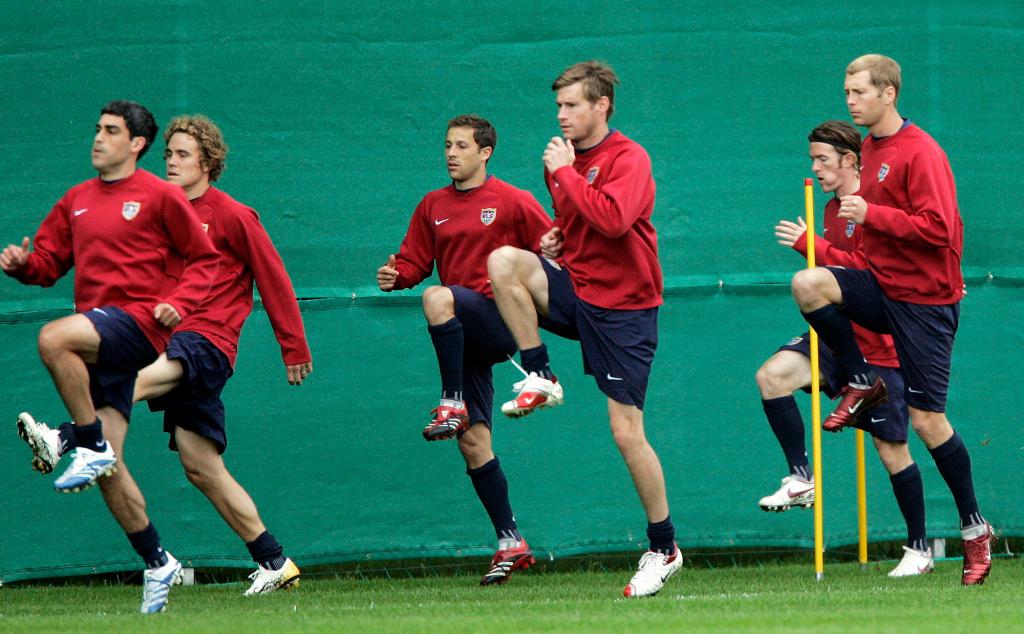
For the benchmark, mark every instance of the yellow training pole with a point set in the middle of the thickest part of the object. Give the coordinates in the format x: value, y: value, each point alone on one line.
x: 819, y: 541
x: 862, y: 502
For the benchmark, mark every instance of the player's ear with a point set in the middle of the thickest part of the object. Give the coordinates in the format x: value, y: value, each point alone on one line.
x: 485, y: 152
x: 137, y: 144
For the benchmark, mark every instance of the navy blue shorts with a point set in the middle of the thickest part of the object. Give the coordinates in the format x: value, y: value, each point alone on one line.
x: 124, y: 350
x: 888, y: 421
x: 923, y: 334
x: 487, y: 341
x: 618, y: 345
x: 195, y: 405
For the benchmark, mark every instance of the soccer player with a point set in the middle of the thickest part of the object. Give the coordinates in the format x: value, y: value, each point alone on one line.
x: 142, y: 263
x: 456, y: 227
x: 835, y: 161
x: 186, y: 381
x: 606, y: 295
x: 911, y: 286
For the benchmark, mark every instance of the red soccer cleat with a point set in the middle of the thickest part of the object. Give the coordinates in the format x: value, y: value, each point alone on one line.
x: 855, y: 403
x: 507, y: 561
x: 449, y: 419
x: 978, y: 558
x: 533, y: 393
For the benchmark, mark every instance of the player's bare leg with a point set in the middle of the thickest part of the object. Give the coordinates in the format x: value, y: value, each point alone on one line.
x: 66, y: 345
x: 627, y: 425
x: 120, y: 492
x: 521, y: 291
x: 816, y: 288
x: 205, y: 469
x: 157, y: 378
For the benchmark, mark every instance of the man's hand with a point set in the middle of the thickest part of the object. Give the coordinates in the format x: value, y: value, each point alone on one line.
x: 14, y: 257
x: 167, y: 315
x: 853, y: 208
x: 558, y: 153
x: 298, y: 373
x: 789, y: 232
x: 387, y: 275
x: 551, y: 243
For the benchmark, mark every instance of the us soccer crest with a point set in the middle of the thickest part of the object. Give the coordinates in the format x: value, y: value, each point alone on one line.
x: 487, y: 215
x: 592, y: 174
x: 850, y: 225
x: 883, y: 172
x: 131, y: 209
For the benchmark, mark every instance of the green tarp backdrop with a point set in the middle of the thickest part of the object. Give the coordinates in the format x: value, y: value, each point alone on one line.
x: 335, y: 114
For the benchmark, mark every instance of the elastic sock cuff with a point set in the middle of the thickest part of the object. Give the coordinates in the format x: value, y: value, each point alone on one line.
x: 484, y: 469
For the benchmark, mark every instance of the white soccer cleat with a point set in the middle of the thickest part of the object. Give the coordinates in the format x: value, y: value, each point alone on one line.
x: 156, y: 585
x: 533, y: 393
x: 652, y: 573
x: 914, y: 562
x: 264, y: 581
x: 793, y: 492
x: 44, y: 442
x: 87, y: 466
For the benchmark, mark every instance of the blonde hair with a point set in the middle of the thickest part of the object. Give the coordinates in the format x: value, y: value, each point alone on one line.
x: 884, y: 71
x: 212, y: 149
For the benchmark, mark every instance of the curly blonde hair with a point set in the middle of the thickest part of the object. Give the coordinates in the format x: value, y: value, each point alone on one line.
x: 212, y: 148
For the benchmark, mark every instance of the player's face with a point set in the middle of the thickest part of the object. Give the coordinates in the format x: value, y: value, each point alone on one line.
x: 831, y: 168
x: 112, y: 145
x: 867, y: 104
x: 464, y: 157
x: 579, y: 119
x: 184, y: 165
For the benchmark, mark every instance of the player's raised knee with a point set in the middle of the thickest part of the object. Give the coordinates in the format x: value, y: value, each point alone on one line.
x: 501, y: 263
x: 438, y: 304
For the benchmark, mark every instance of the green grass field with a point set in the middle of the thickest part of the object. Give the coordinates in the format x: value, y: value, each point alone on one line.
x: 768, y: 598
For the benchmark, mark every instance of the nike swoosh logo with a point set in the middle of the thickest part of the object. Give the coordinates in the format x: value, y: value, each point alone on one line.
x: 876, y: 420
x: 853, y: 408
x: 613, y: 378
x: 441, y: 222
x: 790, y: 493
x: 79, y: 212
x: 912, y: 390
x: 529, y: 400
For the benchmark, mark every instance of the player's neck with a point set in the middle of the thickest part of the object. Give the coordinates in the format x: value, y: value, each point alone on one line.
x: 474, y: 181
x: 592, y: 139
x: 197, y: 190
x: 846, y: 189
x: 118, y: 172
x: 888, y: 125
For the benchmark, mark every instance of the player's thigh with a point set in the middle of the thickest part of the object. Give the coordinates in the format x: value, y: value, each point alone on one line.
x: 75, y: 333
x: 158, y: 378
x: 198, y: 454
x: 863, y: 301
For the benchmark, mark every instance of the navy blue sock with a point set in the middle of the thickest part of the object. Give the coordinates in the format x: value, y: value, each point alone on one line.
x: 492, y: 489
x: 835, y: 330
x: 663, y: 536
x: 788, y: 426
x: 266, y: 552
x: 66, y: 433
x: 954, y: 463
x: 909, y: 491
x: 147, y: 543
x: 536, y: 360
x: 449, y: 345
x: 90, y: 436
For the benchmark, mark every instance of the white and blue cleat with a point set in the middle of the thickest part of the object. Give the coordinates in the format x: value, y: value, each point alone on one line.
x: 156, y: 585
x: 87, y: 466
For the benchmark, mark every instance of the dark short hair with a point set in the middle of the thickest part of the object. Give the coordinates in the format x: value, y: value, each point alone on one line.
x: 138, y: 119
x: 839, y: 134
x: 599, y: 80
x: 483, y: 132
